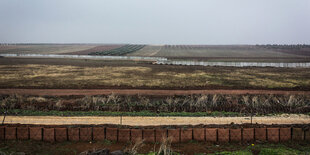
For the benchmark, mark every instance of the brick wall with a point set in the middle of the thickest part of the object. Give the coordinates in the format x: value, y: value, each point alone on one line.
x: 177, y: 135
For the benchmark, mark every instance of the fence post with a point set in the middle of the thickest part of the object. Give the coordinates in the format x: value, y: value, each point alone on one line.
x: 121, y: 119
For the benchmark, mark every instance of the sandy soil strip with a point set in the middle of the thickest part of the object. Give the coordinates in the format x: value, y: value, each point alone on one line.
x: 154, y: 121
x: 59, y: 92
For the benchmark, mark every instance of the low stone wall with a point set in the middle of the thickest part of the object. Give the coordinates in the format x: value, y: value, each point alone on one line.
x: 151, y: 135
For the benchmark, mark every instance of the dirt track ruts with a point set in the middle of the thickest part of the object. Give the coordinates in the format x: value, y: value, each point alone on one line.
x: 154, y: 121
x: 63, y: 92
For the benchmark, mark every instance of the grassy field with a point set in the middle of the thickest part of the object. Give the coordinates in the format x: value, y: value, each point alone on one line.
x: 66, y: 73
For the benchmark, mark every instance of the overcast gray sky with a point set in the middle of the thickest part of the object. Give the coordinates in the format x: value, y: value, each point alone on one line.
x: 155, y: 21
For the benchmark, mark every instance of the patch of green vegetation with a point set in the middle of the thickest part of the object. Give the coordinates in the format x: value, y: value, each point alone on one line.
x: 107, y: 142
x: 269, y: 149
x: 155, y: 153
x: 126, y: 49
x: 19, y: 112
x: 264, y: 149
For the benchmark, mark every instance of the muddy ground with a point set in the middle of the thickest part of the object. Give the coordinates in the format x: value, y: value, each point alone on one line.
x: 72, y: 148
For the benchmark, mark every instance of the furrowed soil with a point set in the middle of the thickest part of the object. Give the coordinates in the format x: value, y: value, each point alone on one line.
x: 44, y: 48
x: 95, y: 49
x: 227, y: 51
x: 235, y: 53
x: 245, y: 59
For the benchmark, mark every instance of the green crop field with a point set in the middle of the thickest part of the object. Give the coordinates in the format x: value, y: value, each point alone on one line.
x: 126, y: 49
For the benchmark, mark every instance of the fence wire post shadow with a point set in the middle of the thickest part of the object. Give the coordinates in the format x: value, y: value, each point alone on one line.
x: 4, y: 117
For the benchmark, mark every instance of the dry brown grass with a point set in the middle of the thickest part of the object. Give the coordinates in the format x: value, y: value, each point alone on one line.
x: 260, y: 104
x: 134, y: 148
x: 165, y: 147
x: 62, y: 76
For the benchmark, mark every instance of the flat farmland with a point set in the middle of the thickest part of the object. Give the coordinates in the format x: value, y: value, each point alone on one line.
x: 149, y: 50
x: 225, y: 53
x: 43, y: 48
x: 100, y: 48
x: 71, y: 49
x: 219, y: 53
x: 72, y: 73
x: 91, y: 87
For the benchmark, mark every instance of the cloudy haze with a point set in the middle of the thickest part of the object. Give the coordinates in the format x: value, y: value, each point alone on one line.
x: 155, y: 21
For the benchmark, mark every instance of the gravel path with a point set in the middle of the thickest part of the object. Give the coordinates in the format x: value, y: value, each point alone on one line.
x: 155, y: 121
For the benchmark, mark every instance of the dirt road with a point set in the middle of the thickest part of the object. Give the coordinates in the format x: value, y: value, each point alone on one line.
x: 63, y: 92
x: 154, y: 121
